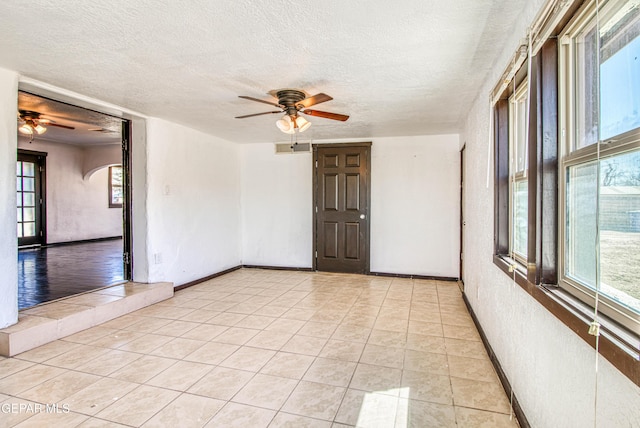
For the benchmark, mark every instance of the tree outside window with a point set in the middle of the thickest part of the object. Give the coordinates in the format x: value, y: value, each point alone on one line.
x: 116, y: 192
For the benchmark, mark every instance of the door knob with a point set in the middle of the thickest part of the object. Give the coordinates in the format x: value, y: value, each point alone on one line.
x: 362, y: 216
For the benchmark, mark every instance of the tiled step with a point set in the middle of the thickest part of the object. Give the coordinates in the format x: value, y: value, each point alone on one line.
x: 51, y: 321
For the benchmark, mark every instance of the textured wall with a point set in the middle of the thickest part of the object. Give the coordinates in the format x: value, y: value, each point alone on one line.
x: 414, y: 206
x: 551, y: 369
x: 193, y: 203
x: 415, y: 201
x: 8, y: 240
x: 277, y: 217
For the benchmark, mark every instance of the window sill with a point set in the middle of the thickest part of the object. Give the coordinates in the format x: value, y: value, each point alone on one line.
x: 619, y: 346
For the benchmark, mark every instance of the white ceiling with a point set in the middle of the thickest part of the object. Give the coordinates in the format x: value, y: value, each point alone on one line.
x: 89, y: 128
x: 404, y: 67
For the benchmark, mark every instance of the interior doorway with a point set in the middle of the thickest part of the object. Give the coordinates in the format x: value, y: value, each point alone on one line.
x: 342, y: 197
x: 30, y: 201
x: 462, y: 213
x: 73, y: 220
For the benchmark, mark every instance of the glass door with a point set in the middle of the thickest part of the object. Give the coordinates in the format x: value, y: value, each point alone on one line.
x: 30, y: 198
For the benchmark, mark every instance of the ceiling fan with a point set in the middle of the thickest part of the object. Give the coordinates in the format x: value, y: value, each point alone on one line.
x: 291, y: 102
x: 33, y: 123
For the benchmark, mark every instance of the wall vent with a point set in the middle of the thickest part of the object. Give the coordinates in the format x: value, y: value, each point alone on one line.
x: 293, y: 148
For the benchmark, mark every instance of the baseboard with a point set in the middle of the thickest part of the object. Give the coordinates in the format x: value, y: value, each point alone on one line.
x: 517, y: 409
x: 403, y: 275
x: 296, y: 269
x: 206, y: 278
x: 82, y: 241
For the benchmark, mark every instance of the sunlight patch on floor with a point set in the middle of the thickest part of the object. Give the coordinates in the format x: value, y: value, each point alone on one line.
x: 385, y: 409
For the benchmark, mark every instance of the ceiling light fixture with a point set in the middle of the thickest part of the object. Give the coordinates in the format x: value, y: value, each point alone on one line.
x: 289, y: 123
x: 30, y: 127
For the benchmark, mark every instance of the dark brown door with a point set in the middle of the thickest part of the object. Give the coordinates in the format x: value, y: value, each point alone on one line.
x: 342, y: 194
x: 30, y: 180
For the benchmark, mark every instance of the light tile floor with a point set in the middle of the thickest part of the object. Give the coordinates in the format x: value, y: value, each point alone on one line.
x: 257, y: 348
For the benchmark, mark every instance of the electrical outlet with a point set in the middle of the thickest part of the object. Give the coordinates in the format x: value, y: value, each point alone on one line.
x: 157, y: 258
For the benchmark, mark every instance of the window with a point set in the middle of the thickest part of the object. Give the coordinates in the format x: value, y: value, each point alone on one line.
x: 600, y: 164
x: 116, y: 193
x: 518, y: 185
x: 579, y: 184
x: 526, y: 171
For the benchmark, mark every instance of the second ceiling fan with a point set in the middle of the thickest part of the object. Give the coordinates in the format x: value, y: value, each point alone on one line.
x: 32, y: 122
x: 291, y: 102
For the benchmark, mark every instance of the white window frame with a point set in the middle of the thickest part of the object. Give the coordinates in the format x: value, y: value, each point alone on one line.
x: 112, y: 203
x: 516, y: 175
x: 570, y: 157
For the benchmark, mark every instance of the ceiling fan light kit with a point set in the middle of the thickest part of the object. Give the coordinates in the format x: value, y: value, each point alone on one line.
x: 33, y: 123
x: 30, y: 128
x: 292, y: 102
x: 289, y: 124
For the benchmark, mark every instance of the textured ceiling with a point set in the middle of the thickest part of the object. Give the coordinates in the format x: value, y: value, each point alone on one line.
x: 89, y: 127
x: 406, y: 67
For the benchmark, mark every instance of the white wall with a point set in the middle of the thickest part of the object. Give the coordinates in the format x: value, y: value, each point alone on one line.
x: 551, y: 369
x: 8, y: 240
x: 277, y: 198
x: 78, y: 207
x: 414, y: 203
x: 139, y: 188
x: 193, y: 203
x: 97, y: 157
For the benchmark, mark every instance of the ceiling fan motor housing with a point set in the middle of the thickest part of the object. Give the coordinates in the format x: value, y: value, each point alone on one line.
x: 289, y: 98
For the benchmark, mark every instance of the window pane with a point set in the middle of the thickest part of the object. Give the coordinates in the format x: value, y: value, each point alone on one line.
x: 620, y: 229
x: 18, y: 184
x: 19, y: 199
x: 29, y: 199
x: 19, y: 214
x: 521, y: 133
x: 19, y: 230
x: 620, y: 72
x: 29, y: 214
x: 116, y: 176
x: 586, y: 88
x: 28, y: 169
x: 581, y: 208
x: 18, y: 168
x: 28, y: 184
x: 520, y: 220
x: 619, y: 242
x: 29, y: 229
x: 116, y: 195
x: 618, y: 63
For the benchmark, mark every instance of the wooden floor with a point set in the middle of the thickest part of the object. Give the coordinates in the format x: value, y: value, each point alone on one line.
x: 46, y: 274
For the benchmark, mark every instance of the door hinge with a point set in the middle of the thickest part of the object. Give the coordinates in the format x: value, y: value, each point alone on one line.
x: 316, y: 209
x: 125, y: 258
x: 125, y: 144
x: 316, y: 254
x: 316, y: 164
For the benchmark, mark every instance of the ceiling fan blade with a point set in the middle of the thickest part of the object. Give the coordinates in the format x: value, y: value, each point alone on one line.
x: 326, y: 114
x: 58, y: 125
x: 258, y: 114
x: 259, y: 100
x: 316, y: 99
